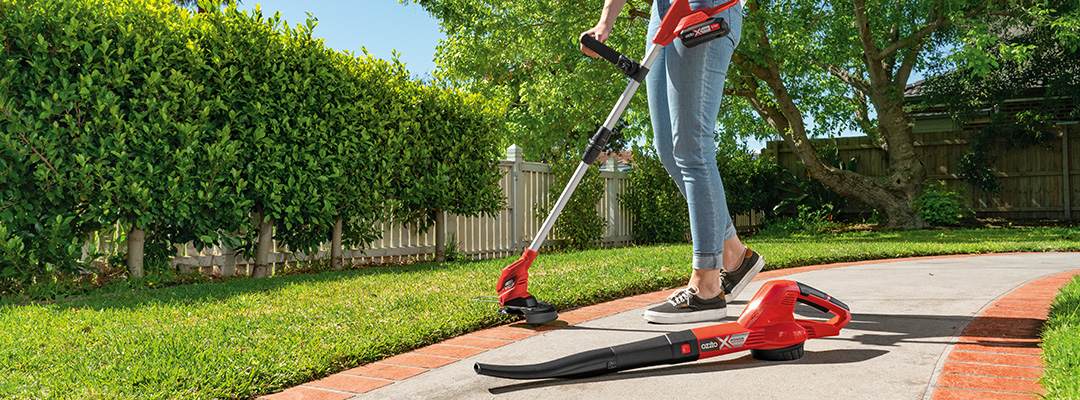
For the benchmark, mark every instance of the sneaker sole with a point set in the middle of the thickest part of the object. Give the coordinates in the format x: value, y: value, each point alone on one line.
x: 747, y: 278
x: 685, y: 318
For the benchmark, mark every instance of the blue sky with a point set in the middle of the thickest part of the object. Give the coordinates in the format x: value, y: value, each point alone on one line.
x: 380, y: 26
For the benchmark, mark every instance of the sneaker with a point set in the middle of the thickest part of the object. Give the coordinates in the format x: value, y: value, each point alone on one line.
x: 735, y: 281
x: 685, y: 306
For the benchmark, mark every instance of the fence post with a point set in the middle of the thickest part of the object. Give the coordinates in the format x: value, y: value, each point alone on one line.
x: 517, y: 198
x: 1065, y: 170
x: 228, y: 264
x: 611, y: 186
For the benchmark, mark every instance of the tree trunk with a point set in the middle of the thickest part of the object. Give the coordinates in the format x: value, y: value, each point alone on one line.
x: 892, y: 194
x: 336, y: 259
x: 440, y: 235
x: 136, y: 242
x: 262, y: 253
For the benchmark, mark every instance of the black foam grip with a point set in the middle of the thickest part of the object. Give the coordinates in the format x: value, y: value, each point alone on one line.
x: 815, y: 305
x: 602, y: 49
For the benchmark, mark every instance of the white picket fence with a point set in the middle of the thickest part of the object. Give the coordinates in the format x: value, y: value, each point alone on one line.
x: 525, y: 185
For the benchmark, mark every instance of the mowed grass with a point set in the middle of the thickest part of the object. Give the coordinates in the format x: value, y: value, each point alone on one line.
x: 1061, y: 345
x: 244, y: 338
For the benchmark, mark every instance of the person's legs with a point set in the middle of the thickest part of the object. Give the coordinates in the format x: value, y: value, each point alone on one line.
x: 694, y: 80
x: 685, y: 87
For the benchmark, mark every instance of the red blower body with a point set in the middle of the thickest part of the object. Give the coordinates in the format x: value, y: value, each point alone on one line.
x: 767, y: 327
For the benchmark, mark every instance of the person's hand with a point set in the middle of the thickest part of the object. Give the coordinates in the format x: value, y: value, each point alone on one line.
x: 600, y: 32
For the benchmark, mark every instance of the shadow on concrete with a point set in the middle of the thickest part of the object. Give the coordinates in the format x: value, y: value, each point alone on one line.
x: 827, y: 357
x: 873, y: 331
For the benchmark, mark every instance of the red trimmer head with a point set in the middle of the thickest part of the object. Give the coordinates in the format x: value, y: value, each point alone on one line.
x: 767, y: 327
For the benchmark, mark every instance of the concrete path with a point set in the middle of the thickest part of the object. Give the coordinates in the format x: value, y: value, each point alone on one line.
x: 912, y: 336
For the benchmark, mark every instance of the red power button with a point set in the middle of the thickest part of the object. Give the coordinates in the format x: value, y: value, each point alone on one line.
x: 686, y: 349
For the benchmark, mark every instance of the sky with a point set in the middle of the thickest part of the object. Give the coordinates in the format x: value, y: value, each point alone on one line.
x: 380, y: 26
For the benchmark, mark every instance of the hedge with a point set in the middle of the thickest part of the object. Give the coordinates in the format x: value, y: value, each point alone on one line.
x: 181, y: 127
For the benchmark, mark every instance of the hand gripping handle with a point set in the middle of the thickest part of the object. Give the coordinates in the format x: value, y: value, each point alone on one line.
x: 630, y: 67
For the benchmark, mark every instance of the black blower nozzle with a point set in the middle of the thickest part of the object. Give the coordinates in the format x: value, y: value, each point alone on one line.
x: 668, y: 349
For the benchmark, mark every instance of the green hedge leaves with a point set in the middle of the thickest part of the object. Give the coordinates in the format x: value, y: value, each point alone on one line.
x: 139, y: 114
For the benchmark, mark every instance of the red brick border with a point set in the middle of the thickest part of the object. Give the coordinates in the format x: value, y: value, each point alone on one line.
x: 372, y: 376
x: 997, y: 356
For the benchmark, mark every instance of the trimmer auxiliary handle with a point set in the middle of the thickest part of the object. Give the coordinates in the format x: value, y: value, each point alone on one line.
x: 767, y: 327
x: 694, y: 27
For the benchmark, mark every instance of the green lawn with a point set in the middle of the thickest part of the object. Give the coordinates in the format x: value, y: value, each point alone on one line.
x: 1061, y: 345
x: 243, y: 338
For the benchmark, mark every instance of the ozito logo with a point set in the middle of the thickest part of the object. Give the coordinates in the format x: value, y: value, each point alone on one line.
x: 726, y: 342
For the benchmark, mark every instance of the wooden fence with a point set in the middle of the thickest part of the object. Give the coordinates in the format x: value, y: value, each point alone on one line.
x: 1036, y: 182
x: 525, y: 185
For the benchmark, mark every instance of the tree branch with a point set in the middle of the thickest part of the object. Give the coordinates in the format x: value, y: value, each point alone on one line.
x: 904, y: 73
x: 42, y: 157
x: 866, y: 38
x: 931, y: 26
x: 856, y: 82
x: 926, y: 30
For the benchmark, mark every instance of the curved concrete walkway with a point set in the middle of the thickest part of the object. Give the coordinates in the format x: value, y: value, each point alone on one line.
x: 953, y: 327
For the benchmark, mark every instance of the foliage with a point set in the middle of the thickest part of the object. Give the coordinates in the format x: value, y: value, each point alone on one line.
x: 749, y: 180
x: 138, y: 114
x: 526, y: 54
x: 940, y: 206
x: 652, y: 197
x: 1061, y: 344
x: 579, y: 225
x: 449, y: 157
x: 808, y: 220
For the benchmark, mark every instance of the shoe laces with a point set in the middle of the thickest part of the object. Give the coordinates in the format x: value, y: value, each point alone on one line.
x: 682, y: 295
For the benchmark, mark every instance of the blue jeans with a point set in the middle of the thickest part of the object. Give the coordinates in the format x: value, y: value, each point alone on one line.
x: 684, y: 88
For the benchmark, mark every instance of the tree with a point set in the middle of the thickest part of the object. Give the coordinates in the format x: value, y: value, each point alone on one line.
x: 860, y: 60
x: 807, y: 68
x: 526, y: 54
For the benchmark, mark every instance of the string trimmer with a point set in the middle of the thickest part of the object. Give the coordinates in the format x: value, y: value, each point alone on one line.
x: 767, y: 327
x: 693, y: 27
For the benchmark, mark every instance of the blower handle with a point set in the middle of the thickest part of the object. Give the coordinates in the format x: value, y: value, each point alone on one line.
x: 679, y: 17
x: 826, y: 304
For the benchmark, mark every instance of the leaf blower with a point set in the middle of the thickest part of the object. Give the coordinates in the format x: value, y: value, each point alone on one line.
x: 767, y: 327
x: 693, y: 27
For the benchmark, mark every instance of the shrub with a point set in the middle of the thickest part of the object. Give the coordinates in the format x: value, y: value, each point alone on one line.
x: 139, y: 115
x: 940, y: 206
x: 579, y: 225
x: 749, y: 180
x: 653, y: 198
x: 659, y: 208
x: 808, y: 221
